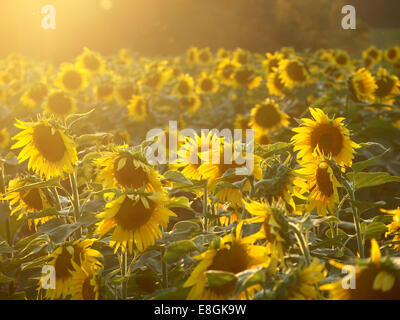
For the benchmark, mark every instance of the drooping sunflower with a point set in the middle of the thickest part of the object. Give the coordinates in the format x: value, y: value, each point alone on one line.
x: 72, y: 78
x: 293, y: 73
x: 60, y: 104
x: 24, y: 202
x: 228, y: 254
x: 392, y: 54
x: 329, y: 135
x: 91, y: 61
x: 302, y: 284
x: 124, y: 169
x: 376, y: 279
x: 86, y: 281
x: 275, y: 85
x: 184, y: 87
x: 271, y: 63
x: 34, y: 95
x: 135, y: 219
x: 362, y: 86
x: 387, y: 85
x: 246, y: 76
x: 316, y: 179
x: 267, y: 116
x: 138, y: 108
x: 394, y: 226
x: 61, y: 259
x: 4, y: 138
x: 206, y: 84
x: 50, y: 150
x: 190, y: 103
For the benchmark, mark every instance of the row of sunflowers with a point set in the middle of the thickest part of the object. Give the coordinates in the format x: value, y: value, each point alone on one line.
x: 80, y: 198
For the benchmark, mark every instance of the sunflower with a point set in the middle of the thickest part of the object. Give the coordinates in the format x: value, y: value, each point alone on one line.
x: 275, y: 85
x: 271, y: 63
x: 4, y: 138
x: 318, y: 181
x: 376, y: 279
x: 91, y: 61
x: 241, y: 56
x: 105, y: 90
x: 341, y: 59
x: 138, y: 108
x: 86, y: 281
x: 303, y: 282
x: 392, y: 54
x: 190, y: 103
x: 154, y: 79
x: 243, y: 123
x: 246, y: 77
x: 34, y: 95
x: 394, y: 227
x: 225, y: 70
x: 362, y: 86
x: 184, y: 87
x: 24, y: 202
x: 62, y: 260
x: 124, y: 92
x: 192, y: 56
x: 135, y: 218
x: 293, y: 73
x: 267, y: 116
x: 204, y: 56
x: 227, y: 254
x: 206, y: 84
x: 50, y: 150
x: 72, y: 78
x: 372, y: 53
x: 60, y: 104
x: 262, y: 138
x: 273, y: 229
x: 121, y: 168
x: 329, y: 135
x: 223, y: 53
x: 387, y: 87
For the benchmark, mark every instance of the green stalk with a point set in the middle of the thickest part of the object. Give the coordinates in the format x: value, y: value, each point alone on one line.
x: 205, y: 207
x: 164, y: 268
x: 75, y: 195
x: 300, y: 239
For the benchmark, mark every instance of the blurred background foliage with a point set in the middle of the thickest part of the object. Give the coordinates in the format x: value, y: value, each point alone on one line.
x: 169, y: 27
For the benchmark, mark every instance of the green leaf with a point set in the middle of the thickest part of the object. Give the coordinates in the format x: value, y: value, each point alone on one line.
x: 371, y: 179
x: 176, y: 176
x: 49, y: 212
x: 121, y: 164
x: 373, y: 230
x: 4, y: 278
x: 178, y: 249
x: 57, y: 230
x: 92, y: 138
x: 175, y: 293
x: 269, y: 150
x: 249, y: 278
x: 55, y: 182
x: 219, y: 278
x: 186, y: 226
x: 361, y: 165
x: 363, y: 206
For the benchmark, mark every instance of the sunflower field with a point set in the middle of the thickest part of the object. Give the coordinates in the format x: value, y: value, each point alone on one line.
x: 86, y: 216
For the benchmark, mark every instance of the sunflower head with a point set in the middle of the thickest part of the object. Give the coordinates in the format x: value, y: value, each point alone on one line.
x: 91, y: 61
x: 86, y: 282
x: 329, y: 135
x: 35, y: 94
x: 293, y: 73
x: 267, y: 116
x: 184, y: 87
x: 204, y: 56
x: 207, y: 84
x: 241, y: 56
x: 138, y: 108
x: 362, y: 86
x: 275, y: 85
x: 4, y: 138
x: 271, y: 63
x: 386, y: 86
x: 72, y: 78
x: 190, y: 103
x: 392, y: 54
x: 246, y: 77
x: 60, y: 104
x: 372, y: 53
x: 51, y: 152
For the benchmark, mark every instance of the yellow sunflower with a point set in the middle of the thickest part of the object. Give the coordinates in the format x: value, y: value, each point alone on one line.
x: 72, y: 78
x: 91, y: 61
x: 376, y: 279
x: 4, y: 138
x: 184, y: 87
x: 124, y: 92
x: 341, y: 59
x: 246, y: 76
x: 135, y: 219
x: 24, y: 202
x: 138, y: 108
x: 60, y: 104
x: 262, y: 138
x: 223, y: 53
x: 387, y: 87
x: 392, y: 54
x: 86, y: 281
x: 192, y: 56
x: 204, y: 56
x: 154, y: 79
x: 50, y: 150
x: 394, y: 226
x: 105, y: 91
x: 275, y: 85
x: 267, y: 116
x: 362, y: 86
x: 190, y: 104
x: 121, y: 168
x: 206, y: 84
x: 316, y: 179
x: 271, y: 63
x: 228, y: 254
x: 372, y: 53
x: 34, y: 95
x: 241, y: 56
x: 293, y: 73
x: 329, y: 135
x: 63, y: 257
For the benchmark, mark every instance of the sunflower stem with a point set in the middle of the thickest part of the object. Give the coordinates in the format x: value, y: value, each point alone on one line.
x: 75, y: 199
x: 205, y: 213
x: 3, y: 191
x: 164, y: 268
x: 302, y: 242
